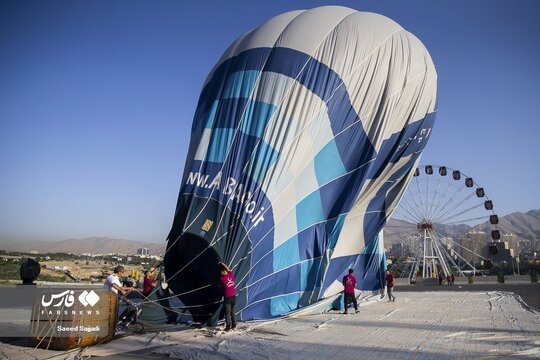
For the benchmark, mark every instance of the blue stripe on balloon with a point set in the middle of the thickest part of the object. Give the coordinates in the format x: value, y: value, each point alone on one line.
x: 312, y: 241
x: 314, y: 75
x: 311, y: 274
x: 264, y: 157
x: 212, y: 114
x: 328, y: 165
x: 283, y: 304
x: 309, y: 211
x: 333, y: 229
x: 286, y: 254
x: 240, y: 84
x: 220, y: 142
x: 255, y: 117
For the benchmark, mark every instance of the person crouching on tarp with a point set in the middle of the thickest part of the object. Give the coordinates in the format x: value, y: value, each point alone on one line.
x: 229, y: 295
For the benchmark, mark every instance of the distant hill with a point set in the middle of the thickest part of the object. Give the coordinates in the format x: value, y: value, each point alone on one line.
x: 525, y: 225
x: 396, y: 230
x: 91, y: 245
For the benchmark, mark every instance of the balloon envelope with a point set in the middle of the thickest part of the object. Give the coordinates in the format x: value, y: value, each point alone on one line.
x: 306, y: 134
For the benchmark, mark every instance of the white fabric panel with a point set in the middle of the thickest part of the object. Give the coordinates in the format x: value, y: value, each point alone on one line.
x: 289, y: 131
x: 286, y: 228
x: 306, y: 182
x: 393, y: 91
x: 353, y: 41
x: 353, y: 227
x: 272, y: 88
x: 334, y: 288
x: 390, y: 207
x: 203, y: 145
x: 284, y: 216
x: 309, y: 29
x: 320, y: 130
x: 268, y: 34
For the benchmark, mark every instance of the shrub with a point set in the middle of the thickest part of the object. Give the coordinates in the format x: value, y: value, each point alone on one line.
x: 534, y: 275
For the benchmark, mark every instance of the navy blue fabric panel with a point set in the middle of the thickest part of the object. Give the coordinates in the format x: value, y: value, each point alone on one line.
x: 242, y: 149
x: 339, y: 106
x: 415, y: 137
x: 253, y: 59
x: 369, y: 269
x: 375, y: 216
x: 263, y: 259
x: 312, y: 242
x: 257, y: 311
x: 229, y: 113
x: 288, y: 280
x: 333, y: 229
x: 409, y: 141
x: 312, y: 275
x: 240, y: 195
x: 337, y: 269
x: 354, y: 138
x: 320, y: 79
x: 339, y: 195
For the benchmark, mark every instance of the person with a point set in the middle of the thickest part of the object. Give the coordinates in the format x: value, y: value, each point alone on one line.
x: 448, y: 279
x: 452, y: 278
x: 390, y: 286
x: 349, y: 283
x: 163, y: 295
x: 113, y: 284
x: 440, y: 278
x: 229, y: 295
x: 148, y: 284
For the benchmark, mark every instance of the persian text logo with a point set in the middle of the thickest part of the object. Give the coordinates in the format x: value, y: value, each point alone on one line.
x: 88, y: 298
x: 65, y: 298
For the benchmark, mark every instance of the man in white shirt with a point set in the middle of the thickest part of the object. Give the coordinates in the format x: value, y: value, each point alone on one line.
x: 113, y: 281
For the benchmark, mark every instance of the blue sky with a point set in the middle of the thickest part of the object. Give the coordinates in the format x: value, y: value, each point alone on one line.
x: 97, y: 99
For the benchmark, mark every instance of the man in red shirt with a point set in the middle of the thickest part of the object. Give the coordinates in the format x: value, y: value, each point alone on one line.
x: 229, y: 295
x: 390, y: 286
x: 349, y: 282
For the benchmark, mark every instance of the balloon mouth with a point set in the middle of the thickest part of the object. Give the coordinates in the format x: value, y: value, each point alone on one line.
x: 193, y: 275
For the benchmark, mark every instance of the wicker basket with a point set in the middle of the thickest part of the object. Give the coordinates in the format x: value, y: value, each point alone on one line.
x: 80, y: 319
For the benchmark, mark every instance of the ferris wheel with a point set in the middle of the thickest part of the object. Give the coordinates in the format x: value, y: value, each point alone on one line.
x: 444, y: 224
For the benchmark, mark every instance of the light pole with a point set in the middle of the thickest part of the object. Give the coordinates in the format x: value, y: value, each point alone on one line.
x: 517, y: 257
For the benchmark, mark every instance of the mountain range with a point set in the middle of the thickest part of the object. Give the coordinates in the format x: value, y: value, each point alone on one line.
x: 89, y: 245
x: 525, y: 225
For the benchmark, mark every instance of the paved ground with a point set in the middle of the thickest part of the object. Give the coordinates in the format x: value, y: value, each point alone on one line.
x: 530, y: 293
x: 440, y: 324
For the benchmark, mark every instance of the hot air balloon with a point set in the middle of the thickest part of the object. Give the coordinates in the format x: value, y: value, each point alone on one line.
x: 306, y: 133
